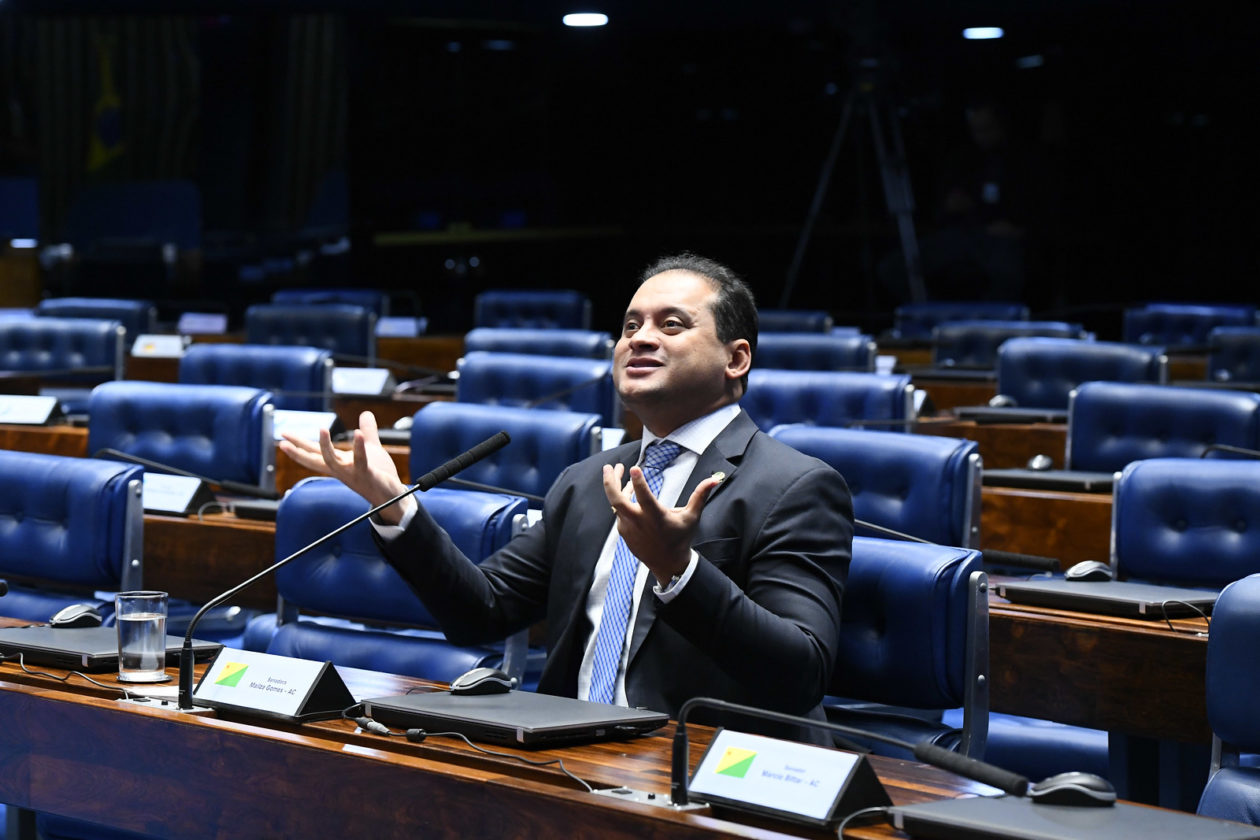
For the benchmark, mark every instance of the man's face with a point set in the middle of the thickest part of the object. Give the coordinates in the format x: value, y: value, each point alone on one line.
x: 669, y: 366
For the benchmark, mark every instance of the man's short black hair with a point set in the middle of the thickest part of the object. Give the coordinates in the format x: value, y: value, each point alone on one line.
x: 734, y: 308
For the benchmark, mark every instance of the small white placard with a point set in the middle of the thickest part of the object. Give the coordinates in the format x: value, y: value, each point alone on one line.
x: 164, y: 493
x: 611, y: 438
x: 301, y: 424
x: 202, y: 323
x: 26, y: 410
x: 394, y: 326
x: 371, y: 381
x: 885, y: 364
x: 152, y: 346
x: 782, y: 776
x: 263, y: 682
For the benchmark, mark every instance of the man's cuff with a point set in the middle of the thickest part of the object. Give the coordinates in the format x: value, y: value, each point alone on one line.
x: 389, y: 532
x: 670, y: 590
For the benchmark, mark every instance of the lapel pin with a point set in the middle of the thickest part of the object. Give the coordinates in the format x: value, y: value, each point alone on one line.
x: 719, y: 476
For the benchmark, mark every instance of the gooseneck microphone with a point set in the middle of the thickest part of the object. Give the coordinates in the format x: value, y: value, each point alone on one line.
x: 227, y: 486
x: 989, y: 774
x: 425, y: 482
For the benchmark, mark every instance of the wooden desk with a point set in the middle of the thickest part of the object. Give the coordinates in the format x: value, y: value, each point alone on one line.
x: 1004, y: 445
x: 1049, y: 523
x: 81, y: 753
x: 948, y: 393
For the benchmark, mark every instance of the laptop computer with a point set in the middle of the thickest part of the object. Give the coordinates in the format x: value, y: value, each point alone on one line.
x: 1010, y: 414
x: 1080, y: 481
x: 82, y: 648
x: 1018, y: 818
x: 516, y: 718
x: 1131, y: 599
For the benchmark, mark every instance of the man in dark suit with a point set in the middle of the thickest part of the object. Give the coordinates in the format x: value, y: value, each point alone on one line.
x: 718, y: 573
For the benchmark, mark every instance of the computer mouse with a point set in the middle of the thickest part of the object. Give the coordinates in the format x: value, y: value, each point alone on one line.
x: 1088, y: 570
x: 482, y: 681
x: 76, y: 615
x: 1002, y: 401
x: 1040, y: 462
x: 1073, y: 788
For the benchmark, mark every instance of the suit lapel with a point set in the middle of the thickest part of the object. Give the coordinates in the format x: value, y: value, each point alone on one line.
x: 722, y: 455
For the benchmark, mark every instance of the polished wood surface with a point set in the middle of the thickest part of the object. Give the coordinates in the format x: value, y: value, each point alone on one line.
x: 1004, y: 445
x: 949, y: 393
x: 1137, y: 677
x: 82, y: 753
x: 197, y: 558
x: 1048, y: 523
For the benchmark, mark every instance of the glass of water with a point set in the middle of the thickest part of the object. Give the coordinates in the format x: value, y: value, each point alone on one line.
x: 141, y: 621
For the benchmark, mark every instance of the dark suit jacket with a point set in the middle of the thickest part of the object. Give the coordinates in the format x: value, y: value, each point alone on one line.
x: 757, y: 624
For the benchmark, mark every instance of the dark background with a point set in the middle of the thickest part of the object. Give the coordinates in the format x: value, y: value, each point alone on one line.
x: 463, y: 146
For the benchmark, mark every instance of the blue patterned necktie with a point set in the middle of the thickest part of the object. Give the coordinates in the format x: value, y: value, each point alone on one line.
x: 620, y: 593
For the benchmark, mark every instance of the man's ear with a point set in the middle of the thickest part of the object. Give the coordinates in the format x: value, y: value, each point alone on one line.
x: 740, y: 358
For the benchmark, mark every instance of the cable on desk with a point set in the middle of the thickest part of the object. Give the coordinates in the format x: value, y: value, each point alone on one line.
x: 880, y: 810
x: 21, y: 660
x: 416, y: 736
x: 1163, y: 608
x: 201, y: 511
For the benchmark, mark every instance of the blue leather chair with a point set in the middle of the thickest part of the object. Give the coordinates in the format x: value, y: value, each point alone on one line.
x: 545, y: 308
x: 1233, y: 683
x: 346, y: 330
x: 543, y: 444
x: 1182, y: 324
x: 585, y: 344
x: 794, y: 320
x: 1187, y: 521
x: 137, y: 316
x: 373, y: 299
x: 548, y: 382
x: 343, y: 601
x: 299, y: 377
x: 974, y: 344
x: 815, y: 351
x: 221, y: 432
x: 922, y: 485
x: 828, y: 398
x: 1234, y: 354
x: 69, y: 526
x: 914, y: 639
x: 63, y: 344
x: 1041, y: 372
x: 915, y: 321
x: 1111, y: 424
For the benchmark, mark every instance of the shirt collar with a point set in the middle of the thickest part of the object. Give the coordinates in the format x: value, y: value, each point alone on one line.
x: 696, y: 435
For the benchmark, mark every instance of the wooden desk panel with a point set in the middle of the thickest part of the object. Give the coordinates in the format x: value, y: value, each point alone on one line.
x: 1123, y: 675
x: 1048, y: 523
x: 1004, y: 445
x: 197, y: 559
x: 430, y: 352
x: 83, y: 754
x: 949, y: 393
x: 49, y: 440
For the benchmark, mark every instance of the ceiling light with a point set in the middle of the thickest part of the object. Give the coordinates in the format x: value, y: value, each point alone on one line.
x: 982, y: 33
x: 585, y: 19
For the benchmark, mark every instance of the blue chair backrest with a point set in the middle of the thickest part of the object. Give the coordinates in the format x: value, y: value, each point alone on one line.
x: 914, y: 630
x: 221, y: 432
x: 1111, y: 424
x: 923, y: 485
x: 374, y: 299
x: 1187, y: 521
x: 826, y: 398
x: 587, y: 344
x: 1234, y: 354
x: 300, y: 378
x: 815, y: 351
x: 547, y: 382
x: 974, y: 344
x: 1232, y: 685
x: 19, y: 208
x: 137, y: 316
x: 74, y: 525
x: 157, y: 212
x: 794, y: 320
x: 532, y: 308
x: 1183, y: 324
x: 342, y: 328
x: 915, y: 321
x: 1042, y: 372
x: 62, y: 344
x: 543, y: 443
x: 347, y: 577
